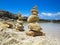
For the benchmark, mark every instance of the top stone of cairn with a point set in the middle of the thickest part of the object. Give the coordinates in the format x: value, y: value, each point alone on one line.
x: 34, y: 11
x: 34, y: 17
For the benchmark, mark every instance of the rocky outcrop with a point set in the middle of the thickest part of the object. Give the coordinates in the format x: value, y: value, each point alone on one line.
x: 7, y: 15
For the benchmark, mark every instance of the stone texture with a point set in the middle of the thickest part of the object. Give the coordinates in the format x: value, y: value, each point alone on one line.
x: 19, y: 25
x: 33, y: 18
x: 11, y: 37
x: 8, y: 24
x: 33, y: 26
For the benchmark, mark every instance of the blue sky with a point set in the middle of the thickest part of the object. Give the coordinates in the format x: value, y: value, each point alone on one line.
x: 48, y: 9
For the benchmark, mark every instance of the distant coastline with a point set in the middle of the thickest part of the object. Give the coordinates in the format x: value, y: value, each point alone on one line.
x: 8, y: 15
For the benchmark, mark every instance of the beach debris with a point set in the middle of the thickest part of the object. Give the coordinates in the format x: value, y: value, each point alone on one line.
x: 35, y: 29
x: 19, y: 25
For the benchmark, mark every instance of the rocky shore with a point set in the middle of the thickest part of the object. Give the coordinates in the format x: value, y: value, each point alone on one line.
x: 11, y: 37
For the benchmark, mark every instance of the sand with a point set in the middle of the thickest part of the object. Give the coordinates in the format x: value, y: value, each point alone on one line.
x: 12, y: 37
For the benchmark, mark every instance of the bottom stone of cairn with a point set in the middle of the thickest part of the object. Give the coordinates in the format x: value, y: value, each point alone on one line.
x: 35, y: 33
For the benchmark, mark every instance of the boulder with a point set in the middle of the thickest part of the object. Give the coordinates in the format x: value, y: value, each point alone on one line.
x: 30, y: 33
x: 33, y: 18
x: 8, y: 24
x: 34, y: 26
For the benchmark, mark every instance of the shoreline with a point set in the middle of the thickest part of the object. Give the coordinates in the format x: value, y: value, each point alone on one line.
x: 20, y: 38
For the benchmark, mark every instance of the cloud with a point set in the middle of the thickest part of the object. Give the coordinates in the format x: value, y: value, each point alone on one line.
x: 47, y: 14
x: 26, y: 15
x: 55, y: 16
x: 50, y: 14
x: 58, y: 13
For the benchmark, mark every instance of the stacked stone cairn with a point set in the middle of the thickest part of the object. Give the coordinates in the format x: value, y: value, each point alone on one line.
x: 34, y: 28
x: 19, y: 25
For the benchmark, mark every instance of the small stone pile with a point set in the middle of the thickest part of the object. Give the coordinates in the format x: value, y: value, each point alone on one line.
x: 19, y: 25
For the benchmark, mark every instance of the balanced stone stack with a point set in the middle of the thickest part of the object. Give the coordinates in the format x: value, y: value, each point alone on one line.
x: 19, y: 25
x: 34, y: 28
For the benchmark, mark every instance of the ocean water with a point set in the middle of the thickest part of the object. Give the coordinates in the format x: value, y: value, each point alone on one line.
x: 49, y: 28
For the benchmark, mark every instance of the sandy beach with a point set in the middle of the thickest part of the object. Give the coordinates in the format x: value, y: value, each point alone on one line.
x: 12, y: 37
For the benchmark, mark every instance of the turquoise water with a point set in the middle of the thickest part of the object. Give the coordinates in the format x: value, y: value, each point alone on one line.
x: 51, y: 29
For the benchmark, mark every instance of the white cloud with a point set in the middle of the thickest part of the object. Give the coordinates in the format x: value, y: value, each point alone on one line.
x: 25, y: 15
x: 58, y: 13
x: 50, y: 14
x: 47, y: 14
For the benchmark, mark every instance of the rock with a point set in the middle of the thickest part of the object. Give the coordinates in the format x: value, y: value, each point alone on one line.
x: 33, y: 18
x: 34, y: 33
x: 34, y: 11
x: 19, y: 25
x: 7, y: 15
x: 20, y: 28
x: 8, y: 24
x: 30, y: 33
x: 34, y: 27
x: 19, y: 16
x: 20, y: 22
